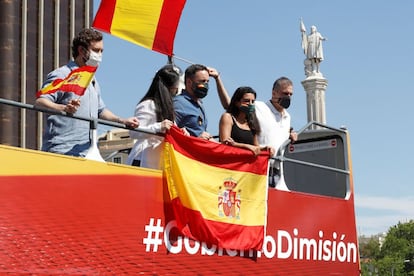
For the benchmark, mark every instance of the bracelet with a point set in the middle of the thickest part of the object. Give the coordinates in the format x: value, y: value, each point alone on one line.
x: 119, y: 120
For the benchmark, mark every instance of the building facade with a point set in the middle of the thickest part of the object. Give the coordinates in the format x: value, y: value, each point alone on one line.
x: 35, y: 38
x: 115, y: 145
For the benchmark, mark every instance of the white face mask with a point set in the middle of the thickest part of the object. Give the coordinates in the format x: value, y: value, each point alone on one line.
x: 94, y: 59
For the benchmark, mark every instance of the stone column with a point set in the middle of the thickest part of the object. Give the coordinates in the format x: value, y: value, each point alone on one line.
x: 315, y: 87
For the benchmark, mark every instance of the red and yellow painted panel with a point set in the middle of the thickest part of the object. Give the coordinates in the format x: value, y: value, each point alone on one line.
x: 16, y: 161
x: 65, y: 215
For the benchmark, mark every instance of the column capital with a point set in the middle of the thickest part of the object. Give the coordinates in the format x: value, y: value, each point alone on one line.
x: 312, y: 84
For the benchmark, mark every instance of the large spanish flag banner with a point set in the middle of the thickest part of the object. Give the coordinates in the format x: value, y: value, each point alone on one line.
x: 148, y: 23
x: 77, y: 82
x: 218, y: 192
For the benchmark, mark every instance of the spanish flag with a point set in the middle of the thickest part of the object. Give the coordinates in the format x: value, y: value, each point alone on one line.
x: 148, y: 23
x: 77, y: 82
x: 218, y: 192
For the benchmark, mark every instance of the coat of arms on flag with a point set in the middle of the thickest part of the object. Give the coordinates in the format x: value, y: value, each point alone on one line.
x: 229, y: 201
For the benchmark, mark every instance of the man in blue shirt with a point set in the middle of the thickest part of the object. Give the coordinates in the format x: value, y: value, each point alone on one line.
x: 69, y: 136
x: 188, y: 106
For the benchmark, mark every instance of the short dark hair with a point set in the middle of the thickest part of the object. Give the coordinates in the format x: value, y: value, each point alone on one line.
x: 192, y: 70
x: 84, y: 39
x: 280, y: 82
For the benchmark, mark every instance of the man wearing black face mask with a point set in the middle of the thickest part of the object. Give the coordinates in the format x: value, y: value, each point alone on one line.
x: 274, y: 120
x: 188, y: 106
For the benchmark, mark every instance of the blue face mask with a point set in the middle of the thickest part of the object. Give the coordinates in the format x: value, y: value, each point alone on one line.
x: 248, y: 109
x: 200, y: 90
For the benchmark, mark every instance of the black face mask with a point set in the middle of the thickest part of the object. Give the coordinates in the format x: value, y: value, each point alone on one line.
x: 200, y: 90
x: 284, y: 102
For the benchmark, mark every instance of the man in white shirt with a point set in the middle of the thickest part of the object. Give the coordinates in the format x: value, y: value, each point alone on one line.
x: 274, y: 123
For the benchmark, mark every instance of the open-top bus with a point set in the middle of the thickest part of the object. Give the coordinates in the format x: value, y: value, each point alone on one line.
x: 68, y: 215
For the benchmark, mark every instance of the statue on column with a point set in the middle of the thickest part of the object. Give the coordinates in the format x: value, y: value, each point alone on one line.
x: 312, y: 47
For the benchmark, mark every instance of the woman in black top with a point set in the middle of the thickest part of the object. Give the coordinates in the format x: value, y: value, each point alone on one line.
x: 239, y: 126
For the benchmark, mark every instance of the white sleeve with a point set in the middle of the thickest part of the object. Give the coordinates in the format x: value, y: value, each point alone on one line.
x: 145, y: 113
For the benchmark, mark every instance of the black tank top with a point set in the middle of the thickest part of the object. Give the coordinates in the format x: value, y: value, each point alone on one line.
x: 241, y: 135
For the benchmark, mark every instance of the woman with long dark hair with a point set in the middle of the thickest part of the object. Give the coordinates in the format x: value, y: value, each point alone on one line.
x: 155, y: 113
x: 239, y: 126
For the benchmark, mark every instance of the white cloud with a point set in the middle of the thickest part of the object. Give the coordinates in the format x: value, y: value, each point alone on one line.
x: 377, y: 214
x: 404, y: 205
x: 369, y: 225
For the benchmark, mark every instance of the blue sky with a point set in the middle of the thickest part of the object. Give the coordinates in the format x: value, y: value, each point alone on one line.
x: 368, y: 64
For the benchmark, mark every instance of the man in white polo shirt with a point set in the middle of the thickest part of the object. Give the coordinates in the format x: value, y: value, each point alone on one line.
x: 274, y: 123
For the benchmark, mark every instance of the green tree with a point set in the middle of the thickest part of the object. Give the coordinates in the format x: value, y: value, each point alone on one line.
x: 395, y: 256
x: 397, y: 252
x: 369, y: 251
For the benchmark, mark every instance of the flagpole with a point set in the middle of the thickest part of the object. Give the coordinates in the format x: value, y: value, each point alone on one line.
x: 183, y: 59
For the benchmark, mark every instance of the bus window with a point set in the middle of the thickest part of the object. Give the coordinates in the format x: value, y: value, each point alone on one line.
x: 326, y: 151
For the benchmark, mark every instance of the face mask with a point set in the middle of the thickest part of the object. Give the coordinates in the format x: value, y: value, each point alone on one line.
x: 94, y: 59
x: 284, y: 102
x: 248, y: 109
x: 200, y: 90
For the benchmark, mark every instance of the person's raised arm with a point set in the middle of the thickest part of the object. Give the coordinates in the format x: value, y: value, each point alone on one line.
x: 221, y: 90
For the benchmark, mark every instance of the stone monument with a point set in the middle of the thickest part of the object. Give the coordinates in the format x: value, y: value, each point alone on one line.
x: 315, y: 84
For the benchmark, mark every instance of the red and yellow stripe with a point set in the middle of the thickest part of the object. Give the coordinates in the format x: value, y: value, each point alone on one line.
x: 151, y: 24
x: 77, y: 82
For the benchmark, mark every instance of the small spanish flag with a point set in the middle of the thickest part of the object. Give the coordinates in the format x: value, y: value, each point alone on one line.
x: 148, y: 23
x: 218, y: 192
x: 77, y: 82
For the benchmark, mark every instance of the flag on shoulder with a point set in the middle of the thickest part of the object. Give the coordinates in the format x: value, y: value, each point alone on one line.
x: 77, y: 82
x: 218, y: 192
x: 151, y: 24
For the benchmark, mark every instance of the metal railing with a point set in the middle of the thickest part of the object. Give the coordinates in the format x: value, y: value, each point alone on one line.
x: 280, y: 156
x: 93, y: 152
